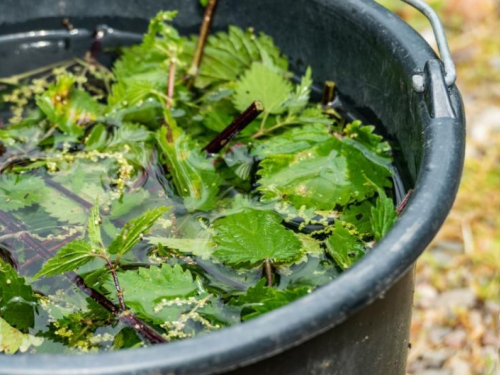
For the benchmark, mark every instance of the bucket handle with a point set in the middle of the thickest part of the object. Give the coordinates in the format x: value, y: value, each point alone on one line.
x: 444, y: 49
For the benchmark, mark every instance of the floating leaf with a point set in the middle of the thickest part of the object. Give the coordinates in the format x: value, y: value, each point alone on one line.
x: 261, y: 299
x: 69, y: 258
x: 292, y: 140
x: 13, y: 340
x: 134, y: 230
x: 253, y: 236
x: 344, y: 246
x: 383, y: 216
x: 144, y: 289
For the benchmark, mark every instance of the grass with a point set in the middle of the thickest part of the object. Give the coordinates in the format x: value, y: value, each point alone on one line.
x: 466, y: 254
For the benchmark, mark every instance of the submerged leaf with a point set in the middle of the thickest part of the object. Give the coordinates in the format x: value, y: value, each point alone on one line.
x: 94, y: 225
x: 201, y: 247
x: 17, y: 301
x: 316, y: 177
x: 21, y: 191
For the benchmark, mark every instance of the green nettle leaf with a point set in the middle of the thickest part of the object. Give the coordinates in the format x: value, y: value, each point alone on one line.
x: 264, y: 84
x: 193, y: 175
x: 292, y: 140
x: 97, y: 138
x: 21, y: 191
x: 327, y: 174
x: 316, y: 177
x: 359, y: 215
x: 344, y: 246
x: 69, y: 258
x: 383, y: 216
x: 364, y: 136
x: 300, y: 98
x: 364, y: 175
x: 17, y: 301
x: 261, y: 299
x: 253, y: 236
x: 229, y: 54
x: 94, y: 225
x: 145, y: 289
x: 63, y: 208
x: 134, y: 230
x: 13, y: 340
x: 68, y: 108
x: 128, y: 202
x: 201, y: 247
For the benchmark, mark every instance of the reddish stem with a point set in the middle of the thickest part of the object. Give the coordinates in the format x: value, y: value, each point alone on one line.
x: 238, y: 125
x: 404, y: 202
x: 119, y: 292
x: 68, y: 193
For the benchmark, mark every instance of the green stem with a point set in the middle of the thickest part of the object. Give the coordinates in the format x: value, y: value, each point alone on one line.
x: 263, y: 132
x: 269, y: 272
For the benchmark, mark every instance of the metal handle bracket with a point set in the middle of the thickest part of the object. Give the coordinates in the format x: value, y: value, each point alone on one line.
x: 444, y: 49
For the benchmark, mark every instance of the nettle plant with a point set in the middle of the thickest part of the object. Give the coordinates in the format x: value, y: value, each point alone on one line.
x: 193, y: 186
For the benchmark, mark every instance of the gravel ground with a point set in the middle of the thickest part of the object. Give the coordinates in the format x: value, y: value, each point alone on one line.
x: 456, y: 318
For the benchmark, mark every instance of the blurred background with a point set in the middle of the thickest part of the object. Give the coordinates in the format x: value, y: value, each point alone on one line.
x: 456, y: 318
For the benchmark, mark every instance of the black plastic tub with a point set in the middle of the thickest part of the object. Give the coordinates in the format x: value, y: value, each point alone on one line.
x: 358, y: 324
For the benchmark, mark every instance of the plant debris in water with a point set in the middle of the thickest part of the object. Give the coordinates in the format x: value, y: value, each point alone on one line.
x: 176, y: 195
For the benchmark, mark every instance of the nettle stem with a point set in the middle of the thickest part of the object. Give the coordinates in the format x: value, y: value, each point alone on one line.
x: 119, y: 291
x: 328, y: 93
x: 238, y: 125
x: 404, y: 202
x: 126, y: 317
x: 171, y: 83
x: 269, y: 272
x: 202, y: 40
